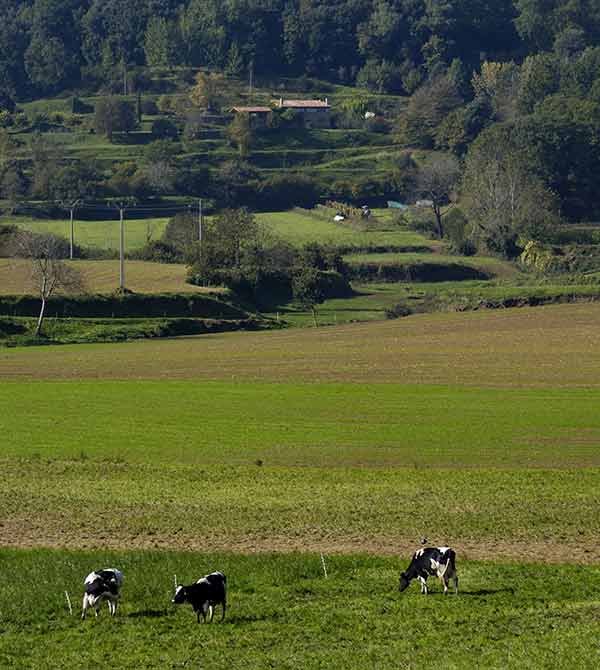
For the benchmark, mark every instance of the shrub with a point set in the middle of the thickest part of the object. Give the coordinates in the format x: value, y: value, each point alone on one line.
x: 164, y: 129
x: 149, y: 108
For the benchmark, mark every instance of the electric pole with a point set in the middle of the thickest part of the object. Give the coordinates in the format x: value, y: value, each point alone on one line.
x: 200, y: 220
x: 122, y: 206
x: 250, y: 81
x: 72, y: 236
x: 71, y: 207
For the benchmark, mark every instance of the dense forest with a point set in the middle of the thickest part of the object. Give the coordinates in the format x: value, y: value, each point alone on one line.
x: 50, y: 45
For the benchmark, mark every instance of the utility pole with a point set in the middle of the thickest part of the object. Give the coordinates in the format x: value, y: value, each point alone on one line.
x: 122, y: 207
x: 71, y: 207
x: 72, y: 236
x: 251, y: 81
x: 200, y: 220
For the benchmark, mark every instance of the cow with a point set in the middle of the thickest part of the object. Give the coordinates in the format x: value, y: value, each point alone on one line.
x: 102, y: 585
x: 438, y: 561
x: 204, y: 595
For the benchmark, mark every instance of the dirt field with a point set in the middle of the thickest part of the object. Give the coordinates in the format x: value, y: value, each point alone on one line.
x: 553, y: 346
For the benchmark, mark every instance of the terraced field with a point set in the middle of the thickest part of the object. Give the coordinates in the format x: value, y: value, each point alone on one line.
x: 103, y: 277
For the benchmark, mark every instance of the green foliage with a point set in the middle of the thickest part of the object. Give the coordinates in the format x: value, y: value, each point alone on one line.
x: 164, y: 129
x: 112, y: 115
x: 121, y: 306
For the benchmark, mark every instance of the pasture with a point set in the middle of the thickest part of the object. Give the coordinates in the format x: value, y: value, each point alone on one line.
x: 283, y: 613
x: 299, y: 227
x: 103, y: 277
x: 97, y: 234
x: 255, y: 452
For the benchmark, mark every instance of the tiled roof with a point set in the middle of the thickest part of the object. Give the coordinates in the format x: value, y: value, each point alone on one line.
x: 305, y: 104
x: 251, y: 110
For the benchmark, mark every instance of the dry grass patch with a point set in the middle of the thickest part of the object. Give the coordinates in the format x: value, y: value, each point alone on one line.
x: 103, y: 277
x: 554, y: 346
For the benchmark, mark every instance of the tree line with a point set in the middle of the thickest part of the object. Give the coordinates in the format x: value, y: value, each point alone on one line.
x: 388, y: 45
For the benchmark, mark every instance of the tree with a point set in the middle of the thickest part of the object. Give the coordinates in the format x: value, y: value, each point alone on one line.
x: 240, y: 133
x: 112, y: 115
x: 503, y: 197
x: 427, y: 108
x: 48, y: 272
x: 207, y: 91
x: 159, y: 42
x: 436, y: 181
x: 498, y: 83
x: 307, y: 290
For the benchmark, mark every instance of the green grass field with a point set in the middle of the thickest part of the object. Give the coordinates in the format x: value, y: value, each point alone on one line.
x: 300, y: 228
x: 99, y: 234
x: 283, y: 613
x: 256, y: 452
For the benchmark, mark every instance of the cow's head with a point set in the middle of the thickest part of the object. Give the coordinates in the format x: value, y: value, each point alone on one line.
x: 404, y: 582
x: 180, y: 595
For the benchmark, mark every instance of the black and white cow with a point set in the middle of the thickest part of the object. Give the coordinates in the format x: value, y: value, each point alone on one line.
x: 431, y: 561
x: 204, y: 595
x: 102, y: 585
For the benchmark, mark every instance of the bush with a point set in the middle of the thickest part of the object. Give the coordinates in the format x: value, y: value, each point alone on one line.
x: 128, y: 305
x: 164, y: 129
x: 287, y: 191
x: 78, y: 106
x: 158, y: 251
x: 149, y: 108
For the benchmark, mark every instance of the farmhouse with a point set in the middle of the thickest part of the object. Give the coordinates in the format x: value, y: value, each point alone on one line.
x: 259, y: 116
x: 311, y: 113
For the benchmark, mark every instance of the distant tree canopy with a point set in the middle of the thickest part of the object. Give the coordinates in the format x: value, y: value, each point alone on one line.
x: 49, y: 45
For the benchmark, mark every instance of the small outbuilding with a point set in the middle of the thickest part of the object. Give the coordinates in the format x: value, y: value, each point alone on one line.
x: 311, y: 113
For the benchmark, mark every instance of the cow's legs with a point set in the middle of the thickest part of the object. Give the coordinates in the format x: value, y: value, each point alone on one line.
x: 211, y: 613
x: 455, y: 583
x: 84, y: 606
x: 423, y: 581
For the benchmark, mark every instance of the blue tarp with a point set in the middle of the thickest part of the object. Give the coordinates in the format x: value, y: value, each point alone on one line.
x: 394, y: 204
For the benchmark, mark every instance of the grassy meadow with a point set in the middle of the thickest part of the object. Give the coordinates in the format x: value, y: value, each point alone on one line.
x: 254, y: 453
x: 103, y: 277
x: 283, y: 613
x: 97, y: 234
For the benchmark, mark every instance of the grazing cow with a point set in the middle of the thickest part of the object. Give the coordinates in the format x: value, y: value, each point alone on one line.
x: 102, y: 585
x: 204, y: 595
x: 440, y: 561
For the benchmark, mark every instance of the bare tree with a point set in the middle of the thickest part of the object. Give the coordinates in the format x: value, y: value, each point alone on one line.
x: 48, y: 273
x: 436, y: 181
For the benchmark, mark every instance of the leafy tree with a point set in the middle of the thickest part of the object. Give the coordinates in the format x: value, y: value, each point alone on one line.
x: 164, y: 129
x: 427, y: 108
x: 159, y: 42
x: 114, y: 114
x: 307, y: 290
x: 207, y: 92
x: 240, y: 133
x: 498, y: 84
